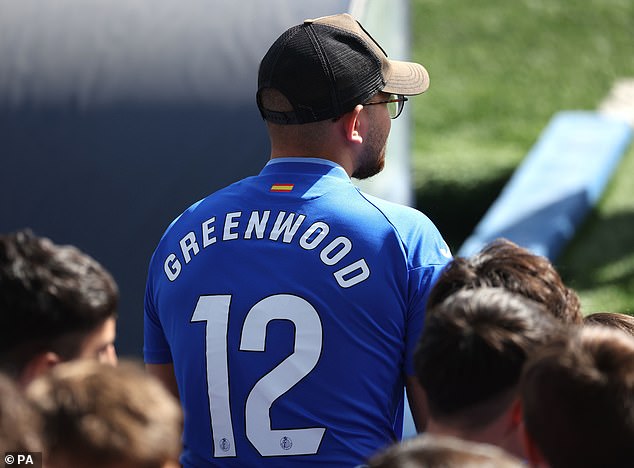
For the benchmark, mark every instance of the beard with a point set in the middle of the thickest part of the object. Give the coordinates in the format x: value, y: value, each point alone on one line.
x: 372, y: 157
x: 369, y: 167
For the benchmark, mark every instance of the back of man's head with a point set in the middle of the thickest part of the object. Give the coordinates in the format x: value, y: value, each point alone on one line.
x: 309, y: 139
x: 504, y: 264
x: 51, y: 296
x: 103, y: 416
x: 326, y: 66
x: 429, y: 451
x: 578, y: 399
x: 471, y: 352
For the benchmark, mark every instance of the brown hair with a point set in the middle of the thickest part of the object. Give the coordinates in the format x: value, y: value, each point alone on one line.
x: 100, y: 415
x: 578, y: 399
x: 429, y: 451
x: 623, y: 322
x: 472, y: 349
x: 51, y: 297
x: 20, y: 425
x: 504, y: 264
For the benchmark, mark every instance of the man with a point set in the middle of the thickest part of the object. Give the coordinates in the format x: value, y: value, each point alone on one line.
x: 578, y: 399
x: 100, y: 416
x: 56, y: 304
x: 286, y: 306
x: 501, y: 263
x: 469, y: 361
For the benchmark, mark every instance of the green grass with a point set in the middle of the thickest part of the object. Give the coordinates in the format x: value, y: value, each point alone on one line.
x: 599, y: 262
x: 499, y: 71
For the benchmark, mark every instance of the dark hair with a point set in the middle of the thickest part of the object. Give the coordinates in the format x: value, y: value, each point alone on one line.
x: 50, y: 297
x: 504, y: 264
x: 623, y: 322
x: 578, y: 399
x: 429, y: 451
x: 472, y: 349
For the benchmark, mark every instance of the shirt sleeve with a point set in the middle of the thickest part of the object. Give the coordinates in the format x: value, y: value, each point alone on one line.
x: 156, y: 349
x: 421, y: 281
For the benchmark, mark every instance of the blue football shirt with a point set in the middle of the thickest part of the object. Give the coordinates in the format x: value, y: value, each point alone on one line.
x: 289, y: 304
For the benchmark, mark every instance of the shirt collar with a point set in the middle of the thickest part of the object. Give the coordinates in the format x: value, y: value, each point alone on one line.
x: 278, y: 163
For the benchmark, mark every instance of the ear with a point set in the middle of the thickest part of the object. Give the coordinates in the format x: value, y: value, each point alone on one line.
x: 351, y: 125
x: 38, y: 365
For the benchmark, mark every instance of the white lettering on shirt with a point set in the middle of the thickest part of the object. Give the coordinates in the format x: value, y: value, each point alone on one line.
x: 285, y: 228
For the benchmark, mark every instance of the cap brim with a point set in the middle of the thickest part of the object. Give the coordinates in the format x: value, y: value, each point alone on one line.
x: 406, y: 78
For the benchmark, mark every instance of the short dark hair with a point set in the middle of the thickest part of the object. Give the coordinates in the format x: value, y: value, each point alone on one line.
x: 50, y: 297
x: 502, y: 263
x: 471, y: 352
x: 430, y: 451
x: 624, y: 322
x: 578, y: 399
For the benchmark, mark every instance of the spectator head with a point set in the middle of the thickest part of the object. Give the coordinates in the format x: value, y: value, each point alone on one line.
x: 431, y: 451
x: 506, y: 265
x: 56, y: 304
x: 20, y: 425
x: 100, y: 416
x: 623, y: 322
x: 578, y: 400
x: 469, y: 360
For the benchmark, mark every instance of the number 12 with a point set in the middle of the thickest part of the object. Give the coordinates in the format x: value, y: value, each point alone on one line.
x: 214, y: 310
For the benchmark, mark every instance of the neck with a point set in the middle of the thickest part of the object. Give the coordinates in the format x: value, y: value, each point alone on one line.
x: 502, y: 432
x: 316, y: 140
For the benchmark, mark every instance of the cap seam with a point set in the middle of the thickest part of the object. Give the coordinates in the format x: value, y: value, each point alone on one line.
x: 326, y: 65
x: 364, y: 43
x: 360, y: 36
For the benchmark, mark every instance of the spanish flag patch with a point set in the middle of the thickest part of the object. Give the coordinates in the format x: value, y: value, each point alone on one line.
x: 282, y: 187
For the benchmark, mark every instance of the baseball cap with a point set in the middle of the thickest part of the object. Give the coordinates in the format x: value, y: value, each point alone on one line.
x: 326, y: 66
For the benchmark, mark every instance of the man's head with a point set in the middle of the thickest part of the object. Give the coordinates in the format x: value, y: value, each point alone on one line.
x: 578, y: 400
x: 327, y: 89
x: 470, y: 356
x: 324, y: 67
x: 100, y: 416
x: 429, y: 451
x: 507, y: 265
x: 56, y: 304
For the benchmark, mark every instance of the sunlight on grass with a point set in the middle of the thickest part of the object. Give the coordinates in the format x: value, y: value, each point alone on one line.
x: 499, y: 71
x: 599, y: 263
